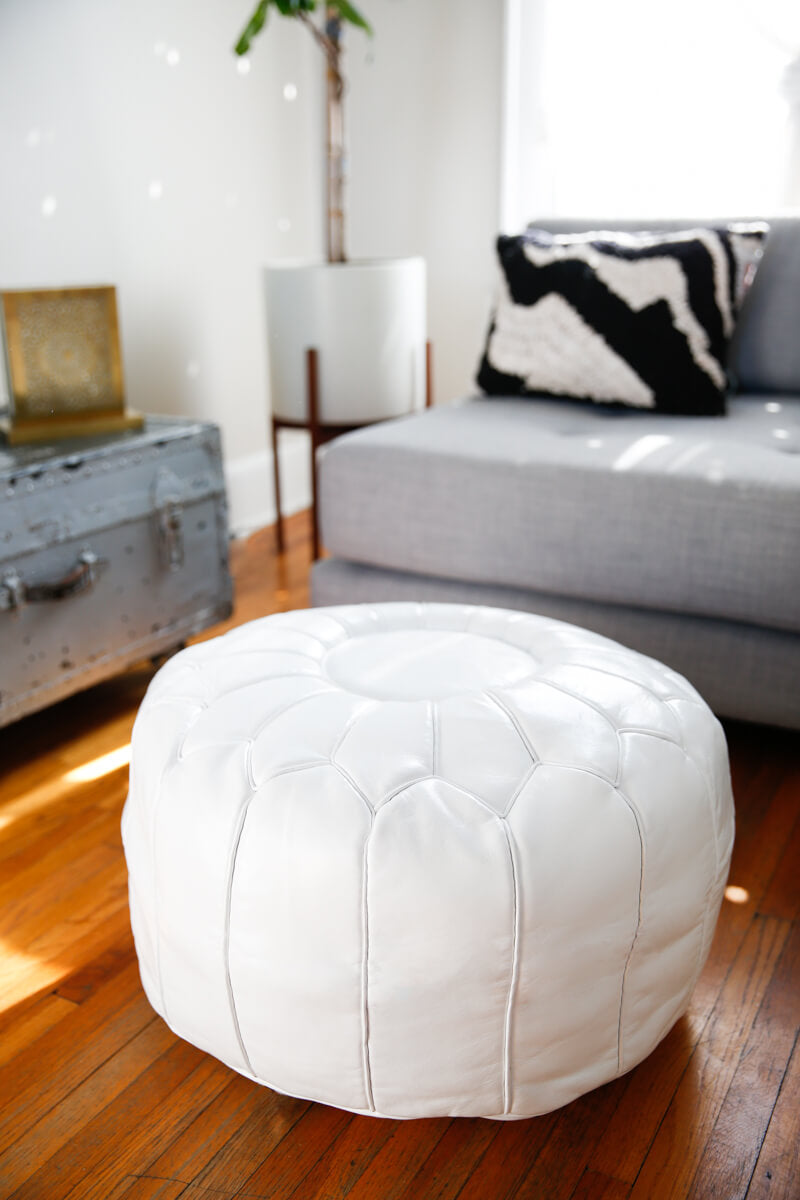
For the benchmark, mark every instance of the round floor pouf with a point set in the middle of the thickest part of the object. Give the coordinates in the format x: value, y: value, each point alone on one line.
x: 424, y: 860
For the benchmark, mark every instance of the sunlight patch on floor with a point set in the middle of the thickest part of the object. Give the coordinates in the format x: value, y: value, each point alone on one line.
x: 30, y: 802
x: 737, y: 895
x: 51, y: 792
x: 96, y: 768
x: 23, y: 974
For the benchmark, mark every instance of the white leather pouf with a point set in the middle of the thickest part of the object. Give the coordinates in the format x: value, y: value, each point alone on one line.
x: 424, y: 860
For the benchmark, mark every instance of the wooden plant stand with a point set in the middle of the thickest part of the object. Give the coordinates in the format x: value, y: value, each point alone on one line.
x: 320, y: 434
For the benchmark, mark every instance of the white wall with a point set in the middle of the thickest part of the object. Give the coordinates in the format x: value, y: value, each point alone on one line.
x: 177, y: 178
x: 424, y: 125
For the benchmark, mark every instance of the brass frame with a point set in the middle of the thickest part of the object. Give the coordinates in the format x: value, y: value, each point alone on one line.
x: 26, y: 425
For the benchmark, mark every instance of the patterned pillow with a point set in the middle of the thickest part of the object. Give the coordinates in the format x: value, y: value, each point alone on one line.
x: 641, y: 319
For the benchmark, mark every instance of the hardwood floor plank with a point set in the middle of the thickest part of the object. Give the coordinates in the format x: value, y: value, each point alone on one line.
x: 86, y: 980
x: 294, y: 1156
x: 777, y: 1172
x: 731, y: 1152
x: 113, y: 930
x: 25, y: 773
x: 40, y: 974
x: 648, y: 1092
x: 398, y: 1160
x: 54, y: 1065
x: 593, y: 1186
x: 782, y: 897
x: 114, y: 732
x: 57, y: 952
x: 759, y: 794
x: 35, y: 823
x: 31, y: 1024
x: 244, y: 1152
x: 33, y: 910
x: 340, y: 1168
x: 209, y: 1131
x: 65, y: 1120
x: 765, y: 818
x: 145, y: 1116
x: 449, y: 1166
x: 32, y: 868
x: 29, y: 919
x: 195, y: 1192
x: 760, y: 758
x: 508, y: 1158
x: 144, y: 1188
x: 576, y: 1131
x: 746, y: 759
x: 42, y: 746
x: 678, y: 1147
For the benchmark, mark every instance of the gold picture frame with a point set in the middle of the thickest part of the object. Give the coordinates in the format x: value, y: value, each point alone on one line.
x: 64, y: 364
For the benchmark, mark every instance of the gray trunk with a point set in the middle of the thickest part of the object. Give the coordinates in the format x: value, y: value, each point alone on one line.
x: 112, y: 550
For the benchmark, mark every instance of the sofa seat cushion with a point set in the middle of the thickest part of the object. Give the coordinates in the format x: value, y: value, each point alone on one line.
x: 695, y: 515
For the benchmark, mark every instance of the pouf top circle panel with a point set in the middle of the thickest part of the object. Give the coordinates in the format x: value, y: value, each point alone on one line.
x: 424, y: 860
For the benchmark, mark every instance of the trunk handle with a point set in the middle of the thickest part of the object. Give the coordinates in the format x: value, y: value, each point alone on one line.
x: 14, y: 592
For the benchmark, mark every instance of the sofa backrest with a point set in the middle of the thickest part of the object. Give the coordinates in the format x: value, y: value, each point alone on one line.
x: 765, y: 352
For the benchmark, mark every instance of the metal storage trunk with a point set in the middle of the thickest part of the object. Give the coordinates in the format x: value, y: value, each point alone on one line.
x: 111, y: 551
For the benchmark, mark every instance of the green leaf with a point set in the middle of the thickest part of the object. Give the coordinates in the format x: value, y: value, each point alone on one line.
x: 252, y: 28
x: 293, y: 8
x: 348, y: 13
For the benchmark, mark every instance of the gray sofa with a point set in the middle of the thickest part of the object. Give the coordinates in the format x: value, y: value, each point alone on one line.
x: 678, y: 536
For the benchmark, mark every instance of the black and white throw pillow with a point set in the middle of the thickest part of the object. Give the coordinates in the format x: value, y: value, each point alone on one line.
x: 641, y: 319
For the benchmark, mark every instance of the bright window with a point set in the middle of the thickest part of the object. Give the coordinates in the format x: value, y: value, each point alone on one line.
x: 627, y: 108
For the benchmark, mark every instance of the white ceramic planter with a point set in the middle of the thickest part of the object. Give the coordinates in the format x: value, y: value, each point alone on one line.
x: 367, y: 321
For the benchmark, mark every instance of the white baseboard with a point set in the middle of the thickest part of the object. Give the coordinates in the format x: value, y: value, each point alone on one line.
x: 249, y: 480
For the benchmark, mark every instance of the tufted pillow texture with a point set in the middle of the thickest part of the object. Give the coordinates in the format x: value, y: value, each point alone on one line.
x: 424, y: 860
x: 642, y: 319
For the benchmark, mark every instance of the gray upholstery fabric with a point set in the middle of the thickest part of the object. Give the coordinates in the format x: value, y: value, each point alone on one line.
x: 741, y: 671
x: 686, y: 515
x: 765, y: 354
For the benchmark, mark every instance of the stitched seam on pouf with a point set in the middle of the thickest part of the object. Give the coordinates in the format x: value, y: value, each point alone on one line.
x: 276, y: 715
x: 229, y: 892
x: 512, y: 987
x: 228, y: 902
x: 637, y: 818
x: 365, y: 1055
x: 365, y: 969
x: 573, y: 695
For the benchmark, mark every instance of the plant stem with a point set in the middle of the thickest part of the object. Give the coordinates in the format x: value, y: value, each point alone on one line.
x: 335, y: 140
x: 330, y: 41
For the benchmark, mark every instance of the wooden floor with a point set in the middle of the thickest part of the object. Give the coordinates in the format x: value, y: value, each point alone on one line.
x: 99, y: 1099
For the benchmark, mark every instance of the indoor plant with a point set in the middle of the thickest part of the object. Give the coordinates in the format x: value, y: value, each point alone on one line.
x: 363, y: 322
x: 329, y: 39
